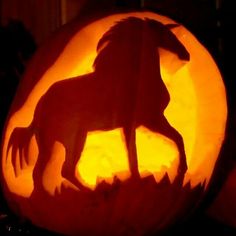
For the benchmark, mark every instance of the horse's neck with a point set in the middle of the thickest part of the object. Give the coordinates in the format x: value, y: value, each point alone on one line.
x: 131, y: 73
x: 149, y: 73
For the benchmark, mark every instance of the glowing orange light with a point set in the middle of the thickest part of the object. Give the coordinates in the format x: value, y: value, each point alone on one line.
x: 197, y: 112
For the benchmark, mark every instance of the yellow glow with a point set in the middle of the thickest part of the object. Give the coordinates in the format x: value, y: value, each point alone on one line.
x: 104, y: 156
x: 197, y: 110
x: 156, y: 154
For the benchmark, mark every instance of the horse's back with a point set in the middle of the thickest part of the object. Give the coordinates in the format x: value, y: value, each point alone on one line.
x: 66, y: 99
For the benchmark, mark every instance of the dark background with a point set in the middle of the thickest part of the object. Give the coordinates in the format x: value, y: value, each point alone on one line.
x: 211, y: 21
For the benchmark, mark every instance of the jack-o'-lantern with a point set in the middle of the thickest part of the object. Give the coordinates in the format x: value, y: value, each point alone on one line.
x: 115, y: 128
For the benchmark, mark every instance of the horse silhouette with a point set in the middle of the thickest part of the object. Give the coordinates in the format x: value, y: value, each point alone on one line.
x: 124, y: 91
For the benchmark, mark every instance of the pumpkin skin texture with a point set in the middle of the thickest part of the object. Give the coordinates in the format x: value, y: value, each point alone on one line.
x: 115, y: 128
x: 223, y: 207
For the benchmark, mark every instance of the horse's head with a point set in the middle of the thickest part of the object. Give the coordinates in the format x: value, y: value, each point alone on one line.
x: 130, y: 39
x: 163, y: 37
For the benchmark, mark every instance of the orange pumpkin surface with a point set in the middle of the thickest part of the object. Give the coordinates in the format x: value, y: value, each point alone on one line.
x: 115, y: 129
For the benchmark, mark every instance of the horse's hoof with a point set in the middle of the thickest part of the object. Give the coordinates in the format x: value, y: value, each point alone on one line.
x: 182, y: 167
x: 135, y: 177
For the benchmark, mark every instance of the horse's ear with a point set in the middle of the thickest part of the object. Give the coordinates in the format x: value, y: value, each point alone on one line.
x: 171, y: 26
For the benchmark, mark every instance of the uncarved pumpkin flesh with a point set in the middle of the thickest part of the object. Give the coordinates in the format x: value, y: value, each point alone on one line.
x: 115, y: 128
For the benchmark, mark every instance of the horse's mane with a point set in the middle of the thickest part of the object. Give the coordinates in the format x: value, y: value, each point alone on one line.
x: 119, y: 28
x: 123, y: 41
x: 120, y: 43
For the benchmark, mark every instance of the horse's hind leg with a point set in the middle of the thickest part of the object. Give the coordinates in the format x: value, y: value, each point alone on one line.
x: 167, y: 130
x: 74, y: 150
x: 130, y: 139
x: 45, y: 150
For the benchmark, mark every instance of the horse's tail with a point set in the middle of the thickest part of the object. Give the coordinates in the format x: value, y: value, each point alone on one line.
x: 19, y: 144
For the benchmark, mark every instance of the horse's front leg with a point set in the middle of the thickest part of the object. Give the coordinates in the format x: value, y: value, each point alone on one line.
x: 164, y: 128
x: 130, y: 140
x: 74, y: 148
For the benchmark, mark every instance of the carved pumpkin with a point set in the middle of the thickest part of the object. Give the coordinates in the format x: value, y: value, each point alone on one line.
x: 115, y: 128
